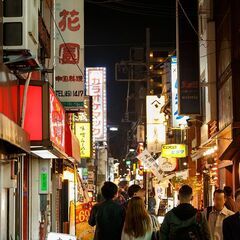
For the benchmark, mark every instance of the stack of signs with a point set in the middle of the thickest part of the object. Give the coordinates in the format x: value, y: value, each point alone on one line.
x: 151, y: 164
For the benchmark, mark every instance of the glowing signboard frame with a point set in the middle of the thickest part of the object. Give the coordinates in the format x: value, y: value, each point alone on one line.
x: 96, y: 87
x: 57, y: 121
x: 83, y: 133
x: 174, y: 151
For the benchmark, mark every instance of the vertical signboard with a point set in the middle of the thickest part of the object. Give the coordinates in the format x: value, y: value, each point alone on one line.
x: 69, y: 53
x: 96, y: 87
x: 57, y: 122
x: 83, y: 133
x: 83, y: 128
x: 188, y: 57
x: 156, y: 128
x: 177, y: 120
x: 43, y: 177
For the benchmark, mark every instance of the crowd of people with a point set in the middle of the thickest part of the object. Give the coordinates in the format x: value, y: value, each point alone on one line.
x: 123, y: 215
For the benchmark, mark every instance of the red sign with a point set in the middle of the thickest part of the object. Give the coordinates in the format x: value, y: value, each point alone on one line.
x: 69, y: 20
x: 69, y: 53
x: 57, y: 122
x: 33, y: 118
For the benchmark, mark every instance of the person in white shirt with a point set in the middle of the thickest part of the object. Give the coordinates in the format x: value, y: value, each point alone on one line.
x: 217, y: 214
x: 137, y: 225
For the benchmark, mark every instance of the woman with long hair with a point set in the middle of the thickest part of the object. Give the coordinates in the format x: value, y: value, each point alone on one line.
x: 137, y: 224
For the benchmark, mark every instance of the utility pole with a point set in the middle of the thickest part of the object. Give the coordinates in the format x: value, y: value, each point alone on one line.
x: 148, y: 59
x: 148, y: 92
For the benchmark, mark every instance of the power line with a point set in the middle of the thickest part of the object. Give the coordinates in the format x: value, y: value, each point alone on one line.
x: 131, y: 11
x: 59, y: 31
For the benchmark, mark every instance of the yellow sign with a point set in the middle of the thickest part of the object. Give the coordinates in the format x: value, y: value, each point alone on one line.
x: 83, y: 133
x: 174, y: 150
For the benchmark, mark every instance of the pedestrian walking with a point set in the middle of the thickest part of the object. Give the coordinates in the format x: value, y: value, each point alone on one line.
x: 107, y: 216
x: 134, y: 191
x: 217, y: 214
x: 229, y: 203
x: 184, y: 222
x: 152, y: 203
x: 137, y: 225
x: 231, y: 225
x: 122, y: 192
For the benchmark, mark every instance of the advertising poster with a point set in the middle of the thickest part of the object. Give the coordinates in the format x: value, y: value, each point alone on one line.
x: 83, y: 230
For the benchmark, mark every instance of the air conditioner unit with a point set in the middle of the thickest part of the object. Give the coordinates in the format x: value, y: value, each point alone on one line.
x: 20, y: 25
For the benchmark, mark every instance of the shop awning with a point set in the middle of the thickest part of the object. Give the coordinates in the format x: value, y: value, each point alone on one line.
x: 72, y: 146
x: 13, y: 134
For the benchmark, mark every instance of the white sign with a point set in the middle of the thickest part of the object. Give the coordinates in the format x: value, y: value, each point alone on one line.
x: 60, y: 236
x: 69, y: 53
x: 156, y: 130
x: 154, y: 106
x: 96, y: 87
x: 150, y: 163
x: 177, y: 120
x: 156, y: 137
x: 167, y: 164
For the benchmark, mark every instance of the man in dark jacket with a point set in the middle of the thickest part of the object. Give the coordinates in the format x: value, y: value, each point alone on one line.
x: 182, y: 220
x: 231, y: 225
x: 108, y: 216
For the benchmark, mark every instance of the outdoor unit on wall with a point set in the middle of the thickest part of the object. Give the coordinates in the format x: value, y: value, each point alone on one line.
x: 20, y: 29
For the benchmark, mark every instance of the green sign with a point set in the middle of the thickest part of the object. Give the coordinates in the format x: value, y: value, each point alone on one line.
x: 43, y: 181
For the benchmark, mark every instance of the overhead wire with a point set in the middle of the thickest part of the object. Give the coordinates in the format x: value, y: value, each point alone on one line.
x: 188, y: 19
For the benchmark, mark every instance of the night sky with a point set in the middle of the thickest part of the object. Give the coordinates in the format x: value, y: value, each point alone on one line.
x: 112, y: 27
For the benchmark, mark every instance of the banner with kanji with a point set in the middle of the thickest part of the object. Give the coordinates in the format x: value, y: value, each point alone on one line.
x: 69, y: 52
x: 96, y: 87
x: 151, y: 164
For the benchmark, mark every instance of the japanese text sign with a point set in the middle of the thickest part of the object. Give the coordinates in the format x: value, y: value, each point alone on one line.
x: 57, y: 121
x: 150, y: 163
x: 96, y: 87
x: 174, y: 150
x: 83, y: 133
x: 69, y: 53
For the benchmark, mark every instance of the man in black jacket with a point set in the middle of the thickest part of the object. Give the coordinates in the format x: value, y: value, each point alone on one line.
x: 231, y: 225
x: 107, y: 216
x: 184, y: 221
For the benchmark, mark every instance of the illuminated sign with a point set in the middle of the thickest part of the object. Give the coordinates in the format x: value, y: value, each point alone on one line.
x: 156, y: 136
x: 156, y: 129
x: 83, y: 133
x: 84, y: 115
x: 150, y: 163
x: 167, y: 164
x: 154, y: 107
x: 96, y: 87
x: 57, y: 122
x: 177, y: 120
x: 69, y: 54
x: 174, y: 151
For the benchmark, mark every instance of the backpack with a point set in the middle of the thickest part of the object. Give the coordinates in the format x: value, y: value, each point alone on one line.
x: 190, y: 232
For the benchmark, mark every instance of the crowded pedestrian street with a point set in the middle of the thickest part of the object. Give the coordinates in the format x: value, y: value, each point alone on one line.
x: 119, y: 120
